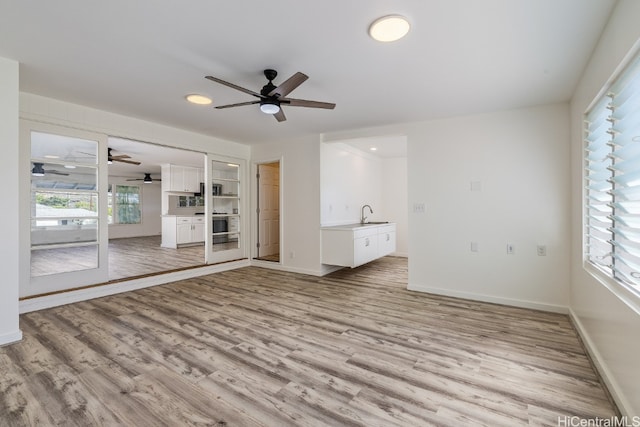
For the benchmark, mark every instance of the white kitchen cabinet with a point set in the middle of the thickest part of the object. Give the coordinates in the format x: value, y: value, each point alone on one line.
x: 356, y: 244
x: 386, y: 239
x: 182, y: 230
x: 181, y: 178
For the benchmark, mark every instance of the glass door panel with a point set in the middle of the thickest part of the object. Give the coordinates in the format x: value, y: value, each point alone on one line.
x: 226, y: 210
x: 65, y: 221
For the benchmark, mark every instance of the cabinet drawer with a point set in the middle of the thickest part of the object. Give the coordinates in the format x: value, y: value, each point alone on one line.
x: 198, y: 220
x: 183, y: 220
x: 364, y: 232
x: 387, y: 229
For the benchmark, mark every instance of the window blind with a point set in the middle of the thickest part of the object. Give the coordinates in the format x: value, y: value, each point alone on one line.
x: 612, y: 163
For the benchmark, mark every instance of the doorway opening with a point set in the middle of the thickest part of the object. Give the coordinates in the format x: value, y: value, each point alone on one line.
x: 268, y: 227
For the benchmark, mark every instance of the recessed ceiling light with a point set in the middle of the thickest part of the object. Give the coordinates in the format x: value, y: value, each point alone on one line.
x: 373, y: 148
x: 70, y: 166
x: 51, y: 156
x: 194, y: 98
x: 389, y: 28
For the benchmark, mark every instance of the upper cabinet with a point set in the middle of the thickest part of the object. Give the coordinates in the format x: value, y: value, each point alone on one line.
x: 182, y: 178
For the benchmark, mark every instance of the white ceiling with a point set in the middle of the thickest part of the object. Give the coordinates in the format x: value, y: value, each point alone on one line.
x: 141, y: 58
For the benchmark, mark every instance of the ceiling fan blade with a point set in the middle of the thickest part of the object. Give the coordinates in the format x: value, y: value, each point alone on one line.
x: 239, y: 104
x: 135, y: 179
x: 88, y: 154
x: 236, y: 87
x: 289, y: 85
x: 120, y: 156
x: 280, y: 116
x: 126, y: 161
x: 54, y: 172
x: 306, y: 103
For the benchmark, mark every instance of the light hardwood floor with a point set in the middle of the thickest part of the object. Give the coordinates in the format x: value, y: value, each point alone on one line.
x: 261, y: 347
x: 130, y: 257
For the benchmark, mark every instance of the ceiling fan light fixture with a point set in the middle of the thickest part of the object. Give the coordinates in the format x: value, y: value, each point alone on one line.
x: 147, y: 179
x: 197, y: 99
x: 37, y: 170
x: 269, y: 107
x: 389, y: 28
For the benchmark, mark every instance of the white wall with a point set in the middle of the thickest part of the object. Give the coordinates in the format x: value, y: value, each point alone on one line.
x: 519, y: 159
x: 394, y: 200
x: 608, y: 319
x: 79, y: 116
x: 9, y: 173
x: 300, y: 201
x: 349, y: 179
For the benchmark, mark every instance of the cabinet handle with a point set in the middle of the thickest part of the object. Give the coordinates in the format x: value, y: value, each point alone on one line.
x: 366, y: 241
x: 388, y: 237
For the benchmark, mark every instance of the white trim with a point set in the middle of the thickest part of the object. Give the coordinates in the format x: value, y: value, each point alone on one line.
x: 491, y: 299
x: 624, y: 293
x: 277, y: 266
x: 10, y: 338
x: 48, y: 301
x: 607, y: 377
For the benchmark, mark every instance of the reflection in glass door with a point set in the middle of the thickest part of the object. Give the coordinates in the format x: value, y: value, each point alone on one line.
x: 65, y: 203
x: 226, y: 211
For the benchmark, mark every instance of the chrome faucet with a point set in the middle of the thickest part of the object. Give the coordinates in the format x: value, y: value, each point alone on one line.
x: 363, y: 219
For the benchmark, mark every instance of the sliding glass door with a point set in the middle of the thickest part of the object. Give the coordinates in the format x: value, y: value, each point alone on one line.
x: 226, y: 225
x: 67, y: 234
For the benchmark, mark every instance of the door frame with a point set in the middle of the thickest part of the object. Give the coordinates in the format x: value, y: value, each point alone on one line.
x: 255, y: 236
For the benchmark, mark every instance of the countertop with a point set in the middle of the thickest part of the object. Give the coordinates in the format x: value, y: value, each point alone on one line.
x: 355, y: 226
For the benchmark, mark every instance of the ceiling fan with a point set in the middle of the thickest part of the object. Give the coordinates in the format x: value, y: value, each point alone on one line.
x: 119, y: 158
x: 38, y: 170
x: 272, y: 97
x: 146, y: 180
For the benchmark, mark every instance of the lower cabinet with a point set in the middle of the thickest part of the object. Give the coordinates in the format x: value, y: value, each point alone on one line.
x: 351, y: 246
x: 182, y: 230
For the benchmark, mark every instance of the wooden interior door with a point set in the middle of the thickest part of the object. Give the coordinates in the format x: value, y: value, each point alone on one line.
x: 269, y: 211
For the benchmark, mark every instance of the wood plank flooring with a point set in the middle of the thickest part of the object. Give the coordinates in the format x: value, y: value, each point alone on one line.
x: 257, y: 347
x: 129, y: 257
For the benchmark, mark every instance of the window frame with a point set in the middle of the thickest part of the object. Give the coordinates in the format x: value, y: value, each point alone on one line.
x: 606, y: 275
x: 114, y: 204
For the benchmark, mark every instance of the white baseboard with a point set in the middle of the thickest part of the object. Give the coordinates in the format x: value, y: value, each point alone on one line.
x: 62, y: 298
x: 492, y: 299
x: 10, y: 338
x: 277, y: 266
x: 612, y: 385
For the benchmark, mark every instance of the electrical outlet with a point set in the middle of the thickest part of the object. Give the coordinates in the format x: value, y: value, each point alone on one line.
x: 474, y: 246
x: 511, y: 249
x: 542, y: 250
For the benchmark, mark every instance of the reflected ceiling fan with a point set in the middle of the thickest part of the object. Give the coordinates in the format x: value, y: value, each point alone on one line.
x: 146, y: 180
x: 272, y: 97
x: 119, y: 158
x: 39, y: 170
